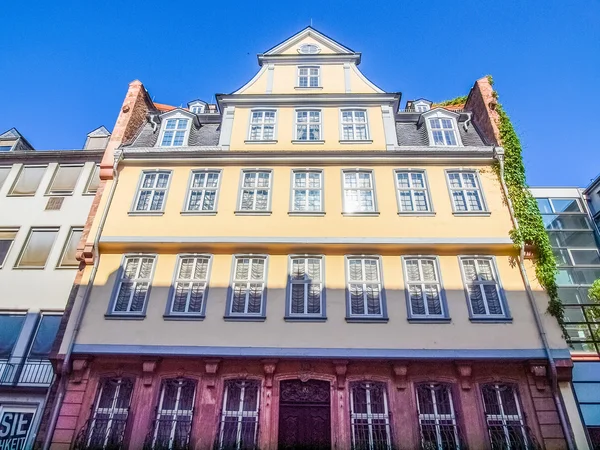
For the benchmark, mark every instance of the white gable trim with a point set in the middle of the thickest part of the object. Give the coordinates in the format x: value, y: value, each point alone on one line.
x: 365, y: 79
x: 308, y: 32
x: 252, y: 81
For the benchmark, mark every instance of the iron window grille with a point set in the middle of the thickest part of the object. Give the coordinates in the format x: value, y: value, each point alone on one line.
x: 359, y: 191
x: 504, y: 417
x: 152, y: 191
x: 174, y: 416
x: 190, y: 285
x: 202, y: 193
x: 465, y: 191
x: 370, y: 417
x: 174, y: 133
x: 256, y: 190
x: 262, y: 125
x: 132, y: 291
x: 354, y: 125
x: 443, y: 131
x: 308, y: 125
x: 106, y: 427
x: 424, y: 289
x: 238, y: 428
x: 364, y: 287
x: 437, y: 417
x: 306, y: 290
x: 413, y: 195
x: 309, y: 76
x: 307, y: 191
x: 248, y: 286
x: 482, y: 285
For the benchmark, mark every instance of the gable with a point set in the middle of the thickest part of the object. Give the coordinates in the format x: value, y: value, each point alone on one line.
x: 308, y: 36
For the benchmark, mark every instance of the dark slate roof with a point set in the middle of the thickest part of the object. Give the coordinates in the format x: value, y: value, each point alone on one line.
x: 413, y: 134
x: 200, y: 135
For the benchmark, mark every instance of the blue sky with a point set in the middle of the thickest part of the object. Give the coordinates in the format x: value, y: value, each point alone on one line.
x: 65, y: 66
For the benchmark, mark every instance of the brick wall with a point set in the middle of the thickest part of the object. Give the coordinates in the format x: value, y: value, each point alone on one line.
x: 482, y: 103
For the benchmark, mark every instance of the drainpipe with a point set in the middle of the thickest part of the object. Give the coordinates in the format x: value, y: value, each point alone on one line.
x: 66, y: 363
x: 499, y: 155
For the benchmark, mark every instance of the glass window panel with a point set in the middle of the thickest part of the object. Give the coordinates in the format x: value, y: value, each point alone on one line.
x: 572, y: 295
x: 584, y: 257
x: 10, y: 328
x: 45, y: 336
x: 544, y: 205
x: 68, y: 258
x: 37, y: 249
x: 565, y: 205
x: 65, y: 179
x: 563, y: 258
x: 28, y: 180
x: 566, y: 222
x: 572, y: 239
x: 7, y: 237
x: 94, y: 181
x: 4, y: 171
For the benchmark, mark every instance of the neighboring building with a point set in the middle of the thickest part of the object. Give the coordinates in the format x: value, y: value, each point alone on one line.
x: 569, y: 218
x: 306, y: 264
x: 45, y: 199
x: 592, y: 193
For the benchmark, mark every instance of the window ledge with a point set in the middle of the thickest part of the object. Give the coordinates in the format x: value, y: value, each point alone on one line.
x: 58, y: 194
x: 249, y: 141
x: 361, y: 214
x: 198, y: 213
x: 197, y: 317
x: 244, y: 318
x: 490, y: 319
x: 307, y: 213
x: 253, y: 213
x: 117, y: 316
x: 299, y: 141
x: 356, y: 141
x: 305, y: 319
x: 472, y: 213
x: 145, y: 213
x: 366, y: 319
x: 417, y: 213
x: 20, y: 195
x: 429, y: 320
x: 308, y: 88
x: 27, y: 268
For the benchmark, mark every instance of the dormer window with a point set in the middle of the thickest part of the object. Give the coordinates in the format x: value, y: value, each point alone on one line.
x: 199, y: 109
x: 422, y: 106
x: 309, y: 49
x: 174, y: 132
x: 308, y: 77
x: 443, y: 131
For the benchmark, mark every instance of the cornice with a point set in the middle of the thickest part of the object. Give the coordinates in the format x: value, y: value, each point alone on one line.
x: 46, y: 156
x: 312, y: 99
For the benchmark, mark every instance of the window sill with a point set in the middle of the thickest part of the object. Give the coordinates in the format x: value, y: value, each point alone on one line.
x: 429, y: 320
x: 244, y: 318
x: 308, y: 88
x: 298, y: 141
x: 66, y: 267
x: 417, y: 213
x: 145, y: 213
x: 197, y: 317
x: 28, y: 268
x: 253, y: 213
x: 490, y: 319
x: 305, y: 319
x: 356, y: 141
x: 20, y: 195
x: 198, y: 213
x: 117, y: 316
x: 58, y: 194
x: 472, y: 213
x: 307, y: 213
x: 260, y: 142
x: 367, y: 319
x: 361, y: 214
x: 88, y: 194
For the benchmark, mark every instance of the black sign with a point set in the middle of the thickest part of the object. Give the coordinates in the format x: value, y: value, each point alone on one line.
x: 14, y: 428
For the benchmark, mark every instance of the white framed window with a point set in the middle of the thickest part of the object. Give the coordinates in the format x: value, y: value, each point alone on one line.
x: 152, y: 191
x: 175, y: 132
x: 28, y: 181
x: 355, y: 126
x: 504, y: 417
x: 248, y: 286
x: 174, y: 414
x: 262, y: 125
x: 239, y: 415
x: 69, y: 253
x: 413, y: 191
x: 437, y: 416
x: 359, y: 191
x: 133, y: 286
x: 421, y: 107
x: 109, y: 417
x: 65, y: 179
x: 43, y: 341
x: 364, y: 287
x: 465, y: 191
x: 37, y: 248
x: 191, y: 280
x: 370, y: 416
x: 423, y: 287
x: 482, y: 285
x: 203, y: 190
x: 309, y: 76
x: 198, y: 109
x: 94, y: 181
x: 309, y: 49
x: 4, y: 171
x: 255, y: 190
x: 307, y: 191
x: 308, y: 125
x: 443, y: 131
x: 7, y: 239
x: 306, y: 286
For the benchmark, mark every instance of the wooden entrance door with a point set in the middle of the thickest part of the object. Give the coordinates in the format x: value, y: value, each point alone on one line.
x: 304, y: 415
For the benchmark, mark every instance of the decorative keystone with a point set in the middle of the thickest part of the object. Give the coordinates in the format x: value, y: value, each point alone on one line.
x: 210, y: 367
x: 269, y: 366
x: 79, y: 366
x: 400, y: 375
x: 539, y: 372
x: 465, y: 373
x: 341, y: 367
x: 148, y: 369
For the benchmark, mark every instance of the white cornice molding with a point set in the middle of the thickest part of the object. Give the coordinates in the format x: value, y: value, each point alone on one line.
x: 313, y: 99
x: 309, y: 59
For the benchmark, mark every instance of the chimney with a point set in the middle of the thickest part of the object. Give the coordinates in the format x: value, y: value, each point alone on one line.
x: 482, y: 103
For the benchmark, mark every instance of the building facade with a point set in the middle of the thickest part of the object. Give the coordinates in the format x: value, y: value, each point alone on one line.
x: 305, y: 263
x: 45, y: 198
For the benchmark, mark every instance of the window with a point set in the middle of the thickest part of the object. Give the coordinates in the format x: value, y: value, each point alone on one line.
x: 197, y: 109
x: 308, y: 125
x: 465, y: 191
x: 152, y: 191
x: 4, y: 171
x: 422, y: 106
x: 133, y: 286
x: 307, y: 191
x: 45, y: 336
x: 28, y: 180
x: 437, y: 417
x: 370, y: 416
x: 174, y: 414
x: 255, y: 193
x: 94, y: 182
x: 239, y: 415
x: 413, y: 195
x: 359, y: 191
x: 306, y: 287
x: 423, y: 288
x: 504, y: 417
x: 10, y: 328
x: 483, y: 292
x: 202, y: 194
x: 262, y: 125
x: 7, y: 237
x: 109, y: 417
x: 37, y: 248
x: 308, y: 77
x: 442, y: 131
x: 68, y: 258
x: 174, y: 132
x: 309, y: 49
x: 5, y: 148
x: 65, y: 180
x: 189, y: 291
x: 354, y: 125
x: 364, y: 287
x: 248, y: 287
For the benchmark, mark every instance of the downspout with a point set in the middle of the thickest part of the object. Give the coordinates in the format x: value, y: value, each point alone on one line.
x: 536, y: 313
x: 64, y: 373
